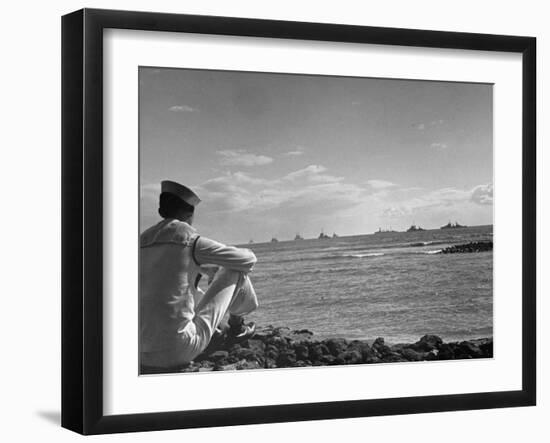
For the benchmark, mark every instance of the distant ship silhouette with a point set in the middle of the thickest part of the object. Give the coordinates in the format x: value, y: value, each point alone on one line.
x: 453, y: 226
x: 384, y: 231
x: 415, y: 228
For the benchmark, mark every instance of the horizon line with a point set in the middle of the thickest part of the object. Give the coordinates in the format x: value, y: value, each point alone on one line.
x: 352, y: 235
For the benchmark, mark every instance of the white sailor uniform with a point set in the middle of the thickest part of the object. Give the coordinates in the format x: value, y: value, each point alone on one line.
x: 176, y: 320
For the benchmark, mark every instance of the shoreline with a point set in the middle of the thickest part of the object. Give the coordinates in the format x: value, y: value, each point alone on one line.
x: 280, y: 347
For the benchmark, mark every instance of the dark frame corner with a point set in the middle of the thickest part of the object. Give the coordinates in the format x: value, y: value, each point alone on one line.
x: 82, y: 259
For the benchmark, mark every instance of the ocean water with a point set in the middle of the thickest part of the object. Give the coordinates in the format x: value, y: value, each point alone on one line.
x: 391, y: 285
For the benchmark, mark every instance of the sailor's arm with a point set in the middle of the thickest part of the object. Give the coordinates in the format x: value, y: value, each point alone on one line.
x: 211, y: 252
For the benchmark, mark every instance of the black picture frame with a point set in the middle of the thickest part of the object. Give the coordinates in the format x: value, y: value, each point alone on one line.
x: 82, y: 220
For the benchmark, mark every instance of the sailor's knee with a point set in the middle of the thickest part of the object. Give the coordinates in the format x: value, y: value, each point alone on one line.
x: 255, y: 304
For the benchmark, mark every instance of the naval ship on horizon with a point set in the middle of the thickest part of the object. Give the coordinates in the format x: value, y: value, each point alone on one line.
x: 415, y: 228
x: 453, y: 225
x: 384, y: 231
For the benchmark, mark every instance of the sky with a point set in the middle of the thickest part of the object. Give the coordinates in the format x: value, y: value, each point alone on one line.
x: 273, y: 155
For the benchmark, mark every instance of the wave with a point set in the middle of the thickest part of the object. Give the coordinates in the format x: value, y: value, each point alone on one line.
x: 428, y: 243
x: 346, y: 255
x: 330, y: 257
x: 435, y: 251
x: 370, y: 254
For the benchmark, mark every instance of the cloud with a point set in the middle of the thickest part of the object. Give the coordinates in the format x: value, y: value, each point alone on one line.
x: 297, y: 152
x: 232, y: 180
x: 312, y: 174
x: 441, y: 202
x: 181, y: 108
x: 430, y: 201
x: 483, y: 194
x: 439, y: 146
x: 243, y: 205
x: 380, y: 184
x: 310, y: 187
x: 395, y: 212
x: 239, y: 157
x: 310, y: 170
x: 420, y: 126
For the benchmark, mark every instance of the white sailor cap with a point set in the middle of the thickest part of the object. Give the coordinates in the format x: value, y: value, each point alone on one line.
x: 180, y: 191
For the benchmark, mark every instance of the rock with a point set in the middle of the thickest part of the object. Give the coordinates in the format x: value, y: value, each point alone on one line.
x: 246, y: 354
x: 469, y: 247
x: 231, y: 359
x: 206, y: 364
x: 283, y: 330
x: 467, y: 349
x: 278, y: 342
x: 359, y: 346
x: 339, y: 360
x: 248, y: 365
x: 446, y: 352
x: 232, y: 366
x: 280, y: 347
x: 428, y: 343
x: 336, y: 345
x: 286, y: 359
x: 300, y: 336
x: 369, y: 356
x: 217, y: 356
x: 317, y: 351
x: 410, y: 354
x: 487, y: 349
x: 432, y: 355
x: 264, y: 333
x: 328, y: 359
x: 382, y: 350
x: 393, y: 358
x: 302, y: 352
x: 234, y: 349
x: 350, y: 357
x: 300, y: 364
x: 254, y: 344
x: 398, y: 347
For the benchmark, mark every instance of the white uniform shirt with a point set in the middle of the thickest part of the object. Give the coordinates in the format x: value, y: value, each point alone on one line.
x: 171, y: 253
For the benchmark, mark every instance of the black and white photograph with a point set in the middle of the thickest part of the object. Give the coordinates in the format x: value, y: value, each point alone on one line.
x: 268, y: 222
x: 291, y: 221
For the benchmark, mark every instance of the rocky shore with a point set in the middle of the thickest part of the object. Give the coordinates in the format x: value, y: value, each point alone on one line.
x: 274, y: 347
x: 481, y: 246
